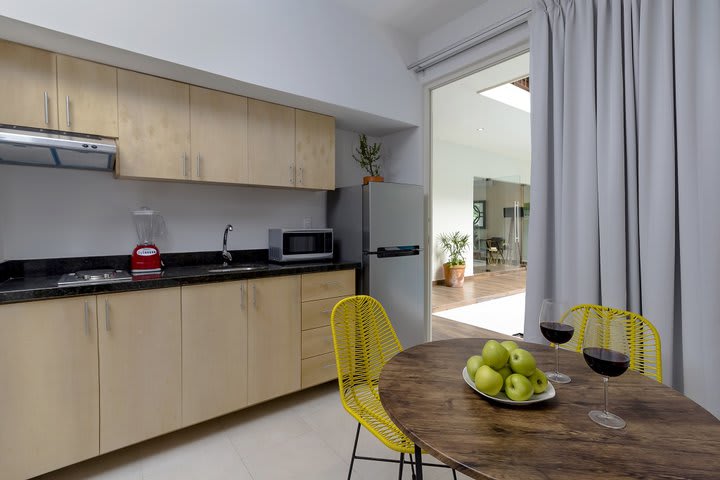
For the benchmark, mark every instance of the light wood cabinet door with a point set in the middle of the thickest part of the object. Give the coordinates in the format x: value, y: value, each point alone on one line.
x: 29, y: 88
x: 49, y: 404
x: 87, y: 97
x: 218, y: 136
x: 214, y: 350
x: 314, y: 150
x: 139, y: 344
x: 273, y: 337
x: 154, y: 127
x: 271, y: 144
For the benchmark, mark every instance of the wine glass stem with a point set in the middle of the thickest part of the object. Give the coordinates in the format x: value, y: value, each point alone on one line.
x: 605, y: 385
x: 557, y: 359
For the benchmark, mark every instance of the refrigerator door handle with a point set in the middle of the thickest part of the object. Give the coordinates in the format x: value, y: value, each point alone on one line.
x: 404, y: 251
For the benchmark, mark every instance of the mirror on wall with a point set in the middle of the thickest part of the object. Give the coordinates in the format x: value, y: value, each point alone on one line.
x: 501, y: 208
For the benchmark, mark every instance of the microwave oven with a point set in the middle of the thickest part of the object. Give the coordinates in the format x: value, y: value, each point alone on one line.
x: 294, y: 245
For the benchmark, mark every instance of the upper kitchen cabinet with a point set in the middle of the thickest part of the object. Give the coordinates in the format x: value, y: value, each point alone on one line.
x: 28, y: 93
x: 218, y: 136
x: 314, y: 151
x: 271, y: 144
x: 87, y: 97
x: 154, y: 127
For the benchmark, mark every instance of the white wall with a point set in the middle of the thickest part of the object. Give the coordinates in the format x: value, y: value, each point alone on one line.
x: 65, y: 213
x: 454, y: 169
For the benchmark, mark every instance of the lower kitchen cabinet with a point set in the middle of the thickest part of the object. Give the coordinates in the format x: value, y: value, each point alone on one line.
x: 140, y: 359
x: 49, y: 414
x: 214, y: 350
x: 273, y: 337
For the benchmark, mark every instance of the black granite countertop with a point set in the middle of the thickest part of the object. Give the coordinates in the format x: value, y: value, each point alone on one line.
x: 23, y: 281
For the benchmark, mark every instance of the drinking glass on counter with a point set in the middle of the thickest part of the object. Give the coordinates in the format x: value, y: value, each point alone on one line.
x: 606, y: 351
x: 553, y: 328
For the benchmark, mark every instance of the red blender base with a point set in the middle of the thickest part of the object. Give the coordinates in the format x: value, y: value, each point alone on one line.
x: 145, y: 260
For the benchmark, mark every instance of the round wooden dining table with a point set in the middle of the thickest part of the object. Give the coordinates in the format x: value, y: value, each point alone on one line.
x: 668, y: 436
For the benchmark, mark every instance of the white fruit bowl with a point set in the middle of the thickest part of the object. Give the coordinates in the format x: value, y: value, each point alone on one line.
x: 502, y: 398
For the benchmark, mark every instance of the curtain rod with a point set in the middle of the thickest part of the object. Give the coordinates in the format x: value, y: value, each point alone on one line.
x: 471, y: 41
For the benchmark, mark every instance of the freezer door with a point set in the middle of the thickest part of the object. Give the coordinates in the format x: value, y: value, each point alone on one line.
x: 393, y: 215
x: 397, y: 283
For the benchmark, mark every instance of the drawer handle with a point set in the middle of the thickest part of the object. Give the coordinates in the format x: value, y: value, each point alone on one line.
x: 331, y: 283
x: 329, y: 365
x: 326, y: 311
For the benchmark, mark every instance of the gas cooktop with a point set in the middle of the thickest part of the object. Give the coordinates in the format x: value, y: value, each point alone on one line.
x: 94, y: 277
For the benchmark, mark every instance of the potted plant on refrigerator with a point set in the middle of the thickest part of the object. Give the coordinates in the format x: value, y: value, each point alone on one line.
x: 454, y: 244
x: 368, y: 156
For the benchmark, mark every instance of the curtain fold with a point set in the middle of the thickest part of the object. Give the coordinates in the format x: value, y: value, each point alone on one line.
x: 625, y: 161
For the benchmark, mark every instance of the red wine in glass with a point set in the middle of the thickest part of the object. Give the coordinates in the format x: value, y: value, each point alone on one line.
x: 555, y: 330
x: 607, y: 363
x: 606, y: 351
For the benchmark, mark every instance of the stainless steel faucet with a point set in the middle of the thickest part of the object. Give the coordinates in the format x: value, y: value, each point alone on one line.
x: 225, y: 254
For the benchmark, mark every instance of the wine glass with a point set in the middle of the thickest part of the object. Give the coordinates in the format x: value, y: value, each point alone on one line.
x: 555, y: 330
x: 606, y: 351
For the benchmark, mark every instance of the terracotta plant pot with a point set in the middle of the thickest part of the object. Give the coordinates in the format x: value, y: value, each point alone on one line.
x: 454, y: 275
x: 367, y: 180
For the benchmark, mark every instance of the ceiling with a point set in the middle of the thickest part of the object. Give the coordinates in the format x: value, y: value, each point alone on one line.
x: 414, y: 18
x: 458, y: 111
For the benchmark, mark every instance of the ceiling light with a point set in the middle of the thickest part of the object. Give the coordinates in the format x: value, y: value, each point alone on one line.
x: 510, y: 95
x: 481, y: 129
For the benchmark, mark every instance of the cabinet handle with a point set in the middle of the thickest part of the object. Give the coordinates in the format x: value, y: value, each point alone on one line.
x: 254, y: 298
x: 291, y: 175
x: 184, y: 164
x: 300, y: 181
x: 242, y: 297
x: 331, y: 283
x: 67, y: 110
x: 47, y: 114
x: 198, y: 165
x: 326, y: 311
x: 87, y: 319
x: 107, y: 315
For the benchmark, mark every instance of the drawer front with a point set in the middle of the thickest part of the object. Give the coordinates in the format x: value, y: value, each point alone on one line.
x: 316, y: 342
x: 318, y: 370
x: 316, y: 286
x: 316, y: 313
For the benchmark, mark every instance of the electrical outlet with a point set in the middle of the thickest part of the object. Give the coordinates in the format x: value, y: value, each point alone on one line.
x: 307, y: 222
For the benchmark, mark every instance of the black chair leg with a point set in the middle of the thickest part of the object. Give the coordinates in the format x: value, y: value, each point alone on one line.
x: 454, y: 474
x: 352, y: 460
x: 418, y: 463
x: 402, y: 461
x: 412, y: 468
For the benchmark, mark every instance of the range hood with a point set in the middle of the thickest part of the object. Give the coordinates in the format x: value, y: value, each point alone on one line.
x: 55, y: 149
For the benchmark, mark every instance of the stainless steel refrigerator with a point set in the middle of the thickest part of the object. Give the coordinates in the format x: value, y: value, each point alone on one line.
x: 381, y: 226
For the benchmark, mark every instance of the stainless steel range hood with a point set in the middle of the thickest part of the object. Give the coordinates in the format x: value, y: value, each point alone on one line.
x: 54, y: 149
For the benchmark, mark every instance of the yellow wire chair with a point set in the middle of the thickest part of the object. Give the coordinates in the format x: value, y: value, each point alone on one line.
x: 643, y: 338
x: 364, y: 341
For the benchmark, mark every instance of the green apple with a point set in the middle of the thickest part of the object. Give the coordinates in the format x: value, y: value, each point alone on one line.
x: 509, y: 345
x: 518, y: 388
x: 538, y: 380
x: 473, y: 363
x: 505, y: 372
x: 488, y: 380
x: 522, y: 362
x: 494, y: 354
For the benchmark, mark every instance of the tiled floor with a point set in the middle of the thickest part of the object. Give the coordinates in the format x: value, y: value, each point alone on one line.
x: 302, y: 436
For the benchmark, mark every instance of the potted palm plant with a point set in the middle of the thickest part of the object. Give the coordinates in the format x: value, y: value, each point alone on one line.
x: 454, y: 244
x: 368, y: 156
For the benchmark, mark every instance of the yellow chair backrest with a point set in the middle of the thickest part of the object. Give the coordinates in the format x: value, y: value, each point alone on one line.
x: 364, y: 340
x: 643, y: 338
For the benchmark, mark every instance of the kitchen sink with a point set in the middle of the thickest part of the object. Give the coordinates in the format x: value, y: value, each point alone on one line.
x: 239, y: 268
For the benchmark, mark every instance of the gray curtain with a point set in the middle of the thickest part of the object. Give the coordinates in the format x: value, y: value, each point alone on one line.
x: 625, y: 169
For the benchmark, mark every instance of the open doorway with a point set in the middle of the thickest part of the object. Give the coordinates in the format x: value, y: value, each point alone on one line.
x: 480, y: 172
